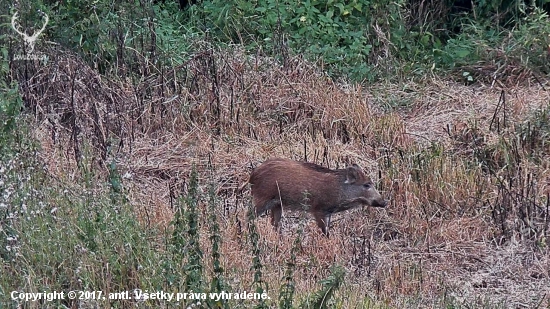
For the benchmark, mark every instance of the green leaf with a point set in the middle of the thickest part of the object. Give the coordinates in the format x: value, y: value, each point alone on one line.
x: 341, y: 7
x: 461, y: 53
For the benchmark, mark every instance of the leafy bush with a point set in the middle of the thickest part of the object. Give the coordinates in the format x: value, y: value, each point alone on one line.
x: 10, y: 101
x: 341, y: 34
x: 482, y: 51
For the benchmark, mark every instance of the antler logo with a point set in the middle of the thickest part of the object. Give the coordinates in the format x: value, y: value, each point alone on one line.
x: 29, y: 40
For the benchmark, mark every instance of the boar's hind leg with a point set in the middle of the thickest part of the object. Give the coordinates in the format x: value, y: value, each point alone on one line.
x: 274, y: 206
x: 323, y: 221
x: 261, y: 208
x: 276, y: 213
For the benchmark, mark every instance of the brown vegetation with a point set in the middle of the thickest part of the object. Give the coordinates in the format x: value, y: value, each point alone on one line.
x: 468, y: 217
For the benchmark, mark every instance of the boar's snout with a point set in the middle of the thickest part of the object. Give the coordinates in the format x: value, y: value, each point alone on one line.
x: 380, y: 203
x: 374, y: 198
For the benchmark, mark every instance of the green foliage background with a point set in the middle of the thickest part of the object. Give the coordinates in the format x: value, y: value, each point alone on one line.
x: 360, y: 40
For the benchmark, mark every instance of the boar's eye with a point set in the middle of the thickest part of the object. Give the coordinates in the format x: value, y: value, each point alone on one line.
x: 367, y: 185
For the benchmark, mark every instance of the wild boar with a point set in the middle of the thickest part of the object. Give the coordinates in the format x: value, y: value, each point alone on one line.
x: 293, y: 185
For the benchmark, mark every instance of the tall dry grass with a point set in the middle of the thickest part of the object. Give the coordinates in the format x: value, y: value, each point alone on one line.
x: 468, y: 216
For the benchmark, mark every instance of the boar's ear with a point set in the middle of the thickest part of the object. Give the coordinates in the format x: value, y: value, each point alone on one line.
x: 353, y: 173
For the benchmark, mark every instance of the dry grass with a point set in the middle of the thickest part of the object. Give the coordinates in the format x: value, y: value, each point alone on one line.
x: 440, y: 238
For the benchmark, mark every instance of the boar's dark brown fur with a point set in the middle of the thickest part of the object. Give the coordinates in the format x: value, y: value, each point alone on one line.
x: 281, y: 183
